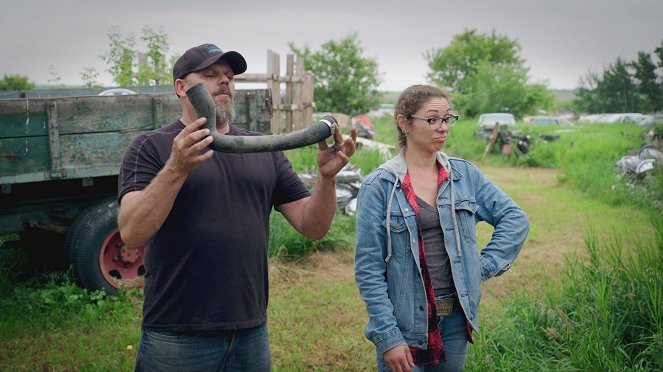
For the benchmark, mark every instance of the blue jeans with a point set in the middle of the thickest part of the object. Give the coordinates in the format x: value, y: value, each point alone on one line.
x: 239, y: 350
x: 454, y: 339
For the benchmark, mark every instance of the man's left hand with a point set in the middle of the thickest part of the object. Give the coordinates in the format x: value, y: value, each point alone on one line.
x: 331, y: 159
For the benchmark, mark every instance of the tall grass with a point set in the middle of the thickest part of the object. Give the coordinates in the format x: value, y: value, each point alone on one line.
x: 606, y: 314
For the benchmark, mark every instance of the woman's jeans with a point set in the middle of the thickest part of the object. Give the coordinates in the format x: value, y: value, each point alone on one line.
x: 454, y: 339
x: 239, y: 350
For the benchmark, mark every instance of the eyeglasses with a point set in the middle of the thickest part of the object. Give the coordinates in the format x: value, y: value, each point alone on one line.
x: 436, y: 123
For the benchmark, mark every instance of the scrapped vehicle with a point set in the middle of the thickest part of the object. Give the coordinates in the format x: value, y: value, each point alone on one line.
x: 488, y: 121
x: 385, y: 109
x: 612, y: 118
x: 651, y: 120
x: 545, y: 120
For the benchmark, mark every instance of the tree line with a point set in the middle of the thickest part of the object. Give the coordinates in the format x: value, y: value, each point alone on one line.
x: 624, y: 86
x: 483, y: 72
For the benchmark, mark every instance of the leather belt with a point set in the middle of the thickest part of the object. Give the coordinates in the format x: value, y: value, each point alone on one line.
x: 445, y: 306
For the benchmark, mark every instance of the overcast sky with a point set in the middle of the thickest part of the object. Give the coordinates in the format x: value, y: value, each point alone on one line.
x: 560, y: 40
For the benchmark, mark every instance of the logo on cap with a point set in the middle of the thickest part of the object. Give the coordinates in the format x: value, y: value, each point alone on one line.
x: 211, y: 48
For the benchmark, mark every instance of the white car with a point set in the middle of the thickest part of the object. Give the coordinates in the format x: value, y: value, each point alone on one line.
x: 117, y: 92
x: 487, y: 121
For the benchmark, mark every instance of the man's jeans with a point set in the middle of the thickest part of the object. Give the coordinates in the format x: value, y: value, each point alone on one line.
x: 240, y: 350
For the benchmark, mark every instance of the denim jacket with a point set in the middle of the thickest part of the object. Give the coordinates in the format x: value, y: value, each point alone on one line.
x: 387, y: 267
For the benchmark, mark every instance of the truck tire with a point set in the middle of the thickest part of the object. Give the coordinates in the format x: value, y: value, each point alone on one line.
x: 97, y: 253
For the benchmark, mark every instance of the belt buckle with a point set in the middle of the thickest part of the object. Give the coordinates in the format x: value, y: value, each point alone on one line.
x: 444, y: 306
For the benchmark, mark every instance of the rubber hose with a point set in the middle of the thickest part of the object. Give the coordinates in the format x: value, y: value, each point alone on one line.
x: 204, y: 105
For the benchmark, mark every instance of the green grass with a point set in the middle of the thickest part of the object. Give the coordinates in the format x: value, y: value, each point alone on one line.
x: 50, y: 323
x: 285, y: 241
x: 316, y: 317
x: 606, y: 315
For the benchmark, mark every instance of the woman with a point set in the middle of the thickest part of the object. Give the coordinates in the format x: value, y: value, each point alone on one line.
x: 417, y: 264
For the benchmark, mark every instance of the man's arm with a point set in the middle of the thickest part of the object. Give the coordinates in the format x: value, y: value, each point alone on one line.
x: 143, y: 212
x: 312, y: 216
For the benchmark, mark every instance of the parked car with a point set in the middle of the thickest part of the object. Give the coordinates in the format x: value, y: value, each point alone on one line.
x: 610, y: 118
x: 117, y: 92
x: 487, y: 121
x: 544, y: 120
x: 385, y: 109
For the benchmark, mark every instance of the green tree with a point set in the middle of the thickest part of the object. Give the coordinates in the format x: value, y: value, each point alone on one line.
x: 659, y: 53
x: 89, y: 76
x: 152, y: 66
x: 618, y: 89
x: 649, y: 90
x: 345, y: 81
x: 452, y: 65
x: 484, y: 73
x: 624, y: 86
x: 130, y: 66
x: 587, y: 97
x: 55, y: 78
x: 121, y: 56
x: 15, y: 82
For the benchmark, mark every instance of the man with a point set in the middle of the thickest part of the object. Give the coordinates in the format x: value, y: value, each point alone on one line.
x: 204, y: 216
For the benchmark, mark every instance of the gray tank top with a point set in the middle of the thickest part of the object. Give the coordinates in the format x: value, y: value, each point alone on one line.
x: 437, y: 258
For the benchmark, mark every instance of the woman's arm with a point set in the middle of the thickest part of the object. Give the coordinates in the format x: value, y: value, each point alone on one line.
x: 510, y: 223
x: 371, y: 269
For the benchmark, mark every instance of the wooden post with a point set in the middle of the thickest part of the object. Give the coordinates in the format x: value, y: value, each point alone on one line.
x: 54, y: 140
x: 296, y: 110
x: 491, y: 140
x: 307, y: 99
x: 289, y: 85
x: 274, y: 84
x: 297, y: 99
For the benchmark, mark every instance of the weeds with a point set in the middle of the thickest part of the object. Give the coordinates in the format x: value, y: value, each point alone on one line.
x: 285, y: 241
x: 606, y: 316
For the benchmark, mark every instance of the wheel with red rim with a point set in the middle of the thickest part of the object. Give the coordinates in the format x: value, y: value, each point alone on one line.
x: 100, y: 258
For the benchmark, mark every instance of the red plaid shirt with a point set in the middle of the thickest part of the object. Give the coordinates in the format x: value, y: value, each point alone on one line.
x: 435, y: 351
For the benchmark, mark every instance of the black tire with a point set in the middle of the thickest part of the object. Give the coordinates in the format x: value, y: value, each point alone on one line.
x: 93, y: 236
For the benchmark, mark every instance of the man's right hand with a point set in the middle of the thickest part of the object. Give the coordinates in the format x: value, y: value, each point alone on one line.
x: 399, y: 359
x: 188, y: 148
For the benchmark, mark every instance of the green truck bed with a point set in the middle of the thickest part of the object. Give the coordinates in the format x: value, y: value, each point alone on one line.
x: 82, y: 137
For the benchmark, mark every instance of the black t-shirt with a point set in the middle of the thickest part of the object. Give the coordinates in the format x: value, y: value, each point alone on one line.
x: 206, y: 267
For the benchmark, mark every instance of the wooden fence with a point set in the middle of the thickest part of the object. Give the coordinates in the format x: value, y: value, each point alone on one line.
x: 292, y: 107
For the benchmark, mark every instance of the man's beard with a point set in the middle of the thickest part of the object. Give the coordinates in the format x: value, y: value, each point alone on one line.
x: 225, y: 113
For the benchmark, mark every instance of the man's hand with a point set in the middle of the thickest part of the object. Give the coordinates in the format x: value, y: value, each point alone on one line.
x: 399, y: 359
x: 331, y: 159
x: 188, y: 145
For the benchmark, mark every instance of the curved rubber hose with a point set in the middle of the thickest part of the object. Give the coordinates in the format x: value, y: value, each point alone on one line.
x: 204, y: 105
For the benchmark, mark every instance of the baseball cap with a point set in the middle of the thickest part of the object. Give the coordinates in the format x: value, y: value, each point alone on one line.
x: 203, y: 56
